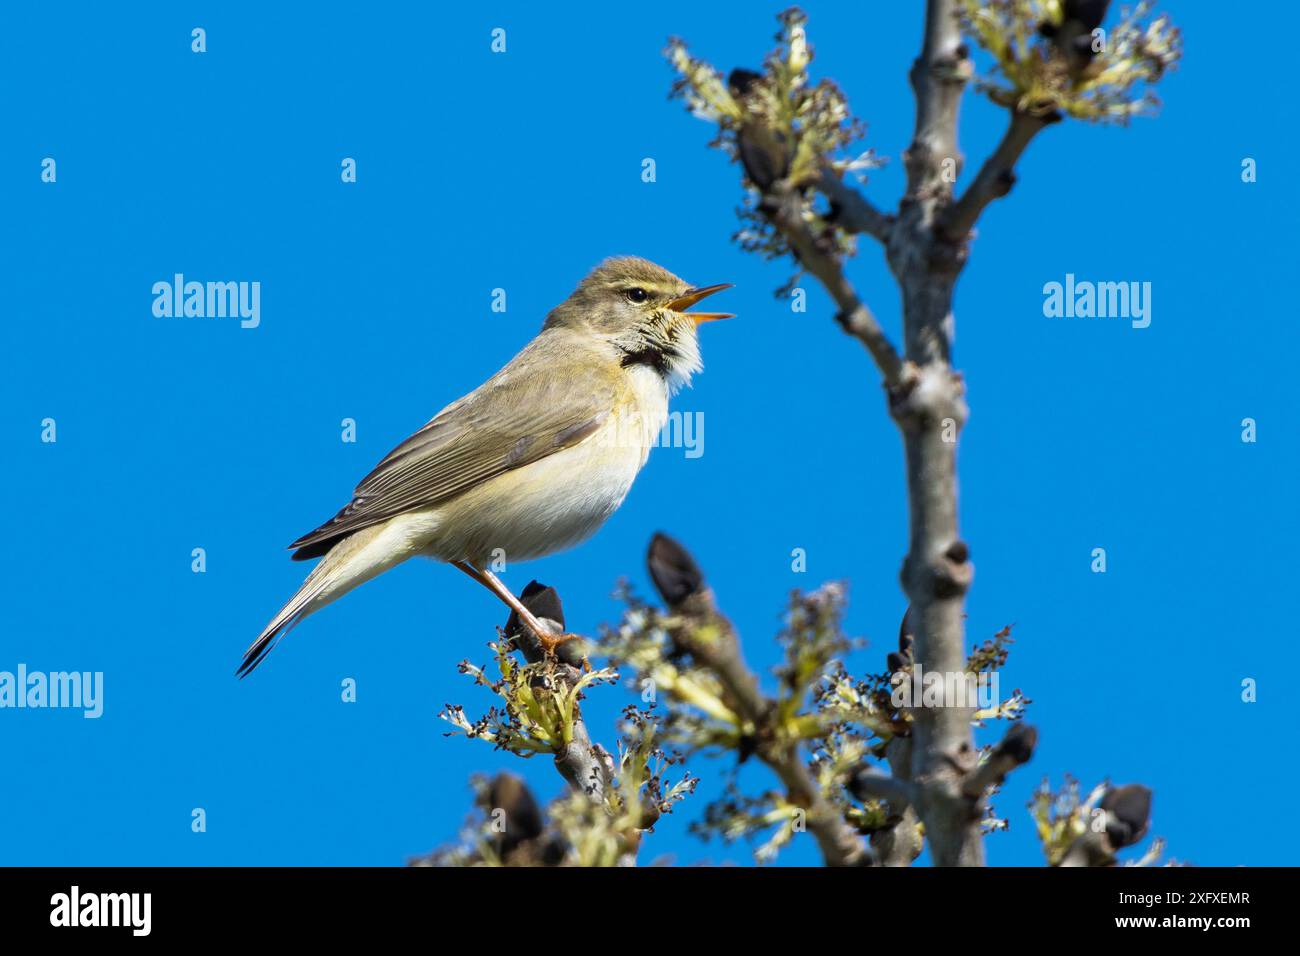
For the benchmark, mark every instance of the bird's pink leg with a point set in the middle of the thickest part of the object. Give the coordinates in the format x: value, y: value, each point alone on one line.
x: 490, y: 581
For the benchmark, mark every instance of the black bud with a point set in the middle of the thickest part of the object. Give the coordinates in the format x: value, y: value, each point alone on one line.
x: 572, y: 652
x: 857, y: 783
x: 554, y: 851
x: 1128, y: 814
x: 761, y: 166
x: 1019, y: 743
x: 543, y: 602
x: 741, y: 81
x: 523, y: 817
x: 1089, y: 13
x: 674, y: 572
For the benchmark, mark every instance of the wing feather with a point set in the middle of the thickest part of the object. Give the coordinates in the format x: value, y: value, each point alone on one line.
x: 545, y: 400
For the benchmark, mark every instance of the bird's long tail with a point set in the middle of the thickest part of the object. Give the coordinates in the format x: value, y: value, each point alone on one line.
x: 350, y: 563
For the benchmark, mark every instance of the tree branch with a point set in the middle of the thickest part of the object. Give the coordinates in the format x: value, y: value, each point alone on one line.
x: 1016, y: 747
x: 937, y: 766
x: 783, y: 207
x: 930, y: 413
x: 938, y: 77
x: 584, y: 765
x: 900, y: 844
x: 995, y: 178
x: 840, y: 846
x: 1125, y: 815
x: 854, y: 212
x: 870, y: 784
x: 701, y: 630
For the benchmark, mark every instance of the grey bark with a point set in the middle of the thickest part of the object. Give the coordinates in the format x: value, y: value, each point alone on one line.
x: 902, y: 843
x: 926, y: 248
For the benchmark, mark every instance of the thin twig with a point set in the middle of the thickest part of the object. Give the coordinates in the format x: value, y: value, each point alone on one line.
x: 1016, y: 747
x: 784, y: 209
x: 870, y: 784
x: 938, y: 78
x: 699, y: 628
x: 580, y: 762
x: 995, y: 178
x: 853, y: 211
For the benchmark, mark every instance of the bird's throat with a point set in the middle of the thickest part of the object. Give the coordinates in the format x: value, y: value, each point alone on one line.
x: 651, y: 355
x: 670, y: 351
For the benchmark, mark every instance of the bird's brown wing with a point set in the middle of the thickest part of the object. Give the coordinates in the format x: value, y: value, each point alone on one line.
x: 527, y: 411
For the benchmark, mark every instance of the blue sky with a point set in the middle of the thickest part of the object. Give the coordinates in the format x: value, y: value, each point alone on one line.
x: 520, y: 171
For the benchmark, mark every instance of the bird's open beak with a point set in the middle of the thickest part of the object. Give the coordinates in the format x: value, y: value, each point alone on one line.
x: 691, y: 296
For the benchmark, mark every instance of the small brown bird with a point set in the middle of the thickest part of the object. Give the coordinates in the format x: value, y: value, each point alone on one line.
x: 531, y: 462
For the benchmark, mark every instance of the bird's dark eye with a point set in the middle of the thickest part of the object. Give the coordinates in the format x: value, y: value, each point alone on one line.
x: 636, y: 294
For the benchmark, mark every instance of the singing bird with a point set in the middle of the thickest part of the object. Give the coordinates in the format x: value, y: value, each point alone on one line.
x: 532, y: 461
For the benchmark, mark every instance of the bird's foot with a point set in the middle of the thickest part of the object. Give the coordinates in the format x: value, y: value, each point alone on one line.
x: 555, y: 645
x: 551, y: 641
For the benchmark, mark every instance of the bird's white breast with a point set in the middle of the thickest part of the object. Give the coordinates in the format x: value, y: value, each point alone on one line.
x: 560, y: 500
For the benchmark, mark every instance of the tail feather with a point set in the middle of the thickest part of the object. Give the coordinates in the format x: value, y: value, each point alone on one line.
x: 348, y: 563
x: 330, y: 572
x: 260, y: 648
x: 280, y: 625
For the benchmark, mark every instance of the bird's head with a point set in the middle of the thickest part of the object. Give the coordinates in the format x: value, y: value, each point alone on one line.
x: 640, y: 309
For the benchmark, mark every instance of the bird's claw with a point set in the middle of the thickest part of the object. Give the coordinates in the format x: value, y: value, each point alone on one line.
x: 551, y: 644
